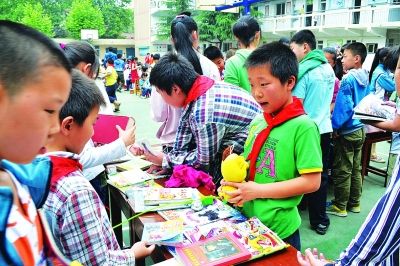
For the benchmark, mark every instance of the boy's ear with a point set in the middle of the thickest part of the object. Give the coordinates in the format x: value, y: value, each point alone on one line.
x: 66, y: 125
x: 176, y: 89
x: 291, y: 82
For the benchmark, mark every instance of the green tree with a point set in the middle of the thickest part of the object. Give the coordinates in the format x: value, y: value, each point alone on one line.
x: 34, y: 16
x: 215, y: 27
x: 117, y: 21
x: 58, y: 11
x: 84, y: 15
x: 174, y: 7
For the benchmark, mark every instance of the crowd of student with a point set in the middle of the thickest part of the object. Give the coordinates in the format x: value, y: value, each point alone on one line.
x: 280, y: 105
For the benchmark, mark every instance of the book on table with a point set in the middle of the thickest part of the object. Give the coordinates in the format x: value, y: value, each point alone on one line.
x: 169, y: 233
x: 252, y: 233
x: 136, y: 196
x: 224, y: 249
x: 134, y: 163
x: 159, y: 196
x: 130, y: 177
x: 216, y: 211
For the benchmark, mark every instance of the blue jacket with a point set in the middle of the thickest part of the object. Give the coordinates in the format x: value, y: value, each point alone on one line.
x: 353, y: 87
x: 36, y: 176
x: 381, y: 81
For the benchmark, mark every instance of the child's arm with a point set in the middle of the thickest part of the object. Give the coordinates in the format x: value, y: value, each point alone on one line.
x: 247, y: 191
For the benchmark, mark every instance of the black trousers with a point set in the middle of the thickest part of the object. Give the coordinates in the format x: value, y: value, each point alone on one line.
x: 316, y: 201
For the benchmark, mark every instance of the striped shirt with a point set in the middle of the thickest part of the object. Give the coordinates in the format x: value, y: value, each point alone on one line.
x: 24, y: 230
x: 378, y: 241
x: 208, y: 125
x: 80, y: 224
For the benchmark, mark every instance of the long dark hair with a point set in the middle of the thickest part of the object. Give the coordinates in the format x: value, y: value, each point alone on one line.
x: 181, y: 31
x: 245, y: 29
x: 380, y: 55
x: 81, y: 51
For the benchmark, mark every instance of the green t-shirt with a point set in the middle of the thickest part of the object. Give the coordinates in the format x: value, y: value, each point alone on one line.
x: 291, y: 149
x: 235, y: 72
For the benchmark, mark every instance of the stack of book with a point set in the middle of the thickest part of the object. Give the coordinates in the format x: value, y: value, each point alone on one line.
x: 169, y: 233
x: 159, y: 198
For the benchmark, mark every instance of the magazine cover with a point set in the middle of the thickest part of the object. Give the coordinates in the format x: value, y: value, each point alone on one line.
x: 156, y: 196
x: 168, y: 233
x: 208, y: 214
x: 134, y: 163
x: 252, y: 233
x: 223, y: 249
x: 372, y: 108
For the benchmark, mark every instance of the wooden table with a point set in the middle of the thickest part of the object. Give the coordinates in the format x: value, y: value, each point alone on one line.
x: 119, y: 201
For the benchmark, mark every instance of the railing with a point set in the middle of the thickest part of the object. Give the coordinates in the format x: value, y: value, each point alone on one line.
x: 378, y: 16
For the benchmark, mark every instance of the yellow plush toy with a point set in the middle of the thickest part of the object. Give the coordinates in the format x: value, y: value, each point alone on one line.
x: 233, y: 169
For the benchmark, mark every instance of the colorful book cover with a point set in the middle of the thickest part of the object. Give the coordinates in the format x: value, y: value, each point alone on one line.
x: 223, y: 249
x: 169, y: 233
x: 136, y: 197
x: 252, y: 233
x: 156, y: 196
x: 208, y: 214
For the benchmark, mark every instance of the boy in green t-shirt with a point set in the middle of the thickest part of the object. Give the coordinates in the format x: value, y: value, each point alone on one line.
x: 283, y: 146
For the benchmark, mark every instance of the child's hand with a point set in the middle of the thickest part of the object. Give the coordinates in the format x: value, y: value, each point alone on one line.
x: 136, y: 150
x: 140, y: 249
x: 245, y: 191
x: 157, y: 170
x: 154, y: 158
x: 128, y: 135
x: 311, y: 258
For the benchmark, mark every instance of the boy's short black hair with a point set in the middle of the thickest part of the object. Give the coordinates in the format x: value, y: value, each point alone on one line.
x: 110, y: 61
x: 305, y: 36
x: 84, y: 96
x: 24, y: 52
x: 357, y: 48
x: 119, y: 56
x: 213, y: 52
x: 173, y: 69
x: 279, y: 58
x: 156, y: 56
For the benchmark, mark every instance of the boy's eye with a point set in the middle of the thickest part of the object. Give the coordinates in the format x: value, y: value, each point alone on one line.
x: 264, y: 84
x: 49, y: 111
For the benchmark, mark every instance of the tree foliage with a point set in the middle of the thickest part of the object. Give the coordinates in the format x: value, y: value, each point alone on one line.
x: 215, y: 27
x: 174, y: 7
x: 34, y: 16
x: 84, y: 15
x: 117, y: 18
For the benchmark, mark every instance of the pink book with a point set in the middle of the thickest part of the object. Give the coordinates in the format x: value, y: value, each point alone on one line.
x: 105, y: 130
x: 223, y: 249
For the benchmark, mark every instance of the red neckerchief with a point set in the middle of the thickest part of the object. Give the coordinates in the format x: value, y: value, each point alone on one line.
x: 293, y: 110
x: 62, y: 167
x: 200, y: 86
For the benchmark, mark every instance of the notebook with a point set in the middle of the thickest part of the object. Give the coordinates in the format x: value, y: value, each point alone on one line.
x: 105, y: 131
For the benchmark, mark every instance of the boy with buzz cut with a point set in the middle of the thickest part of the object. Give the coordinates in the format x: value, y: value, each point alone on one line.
x: 76, y: 215
x: 348, y: 133
x: 283, y: 145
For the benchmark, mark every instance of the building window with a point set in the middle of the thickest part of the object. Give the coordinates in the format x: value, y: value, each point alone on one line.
x: 322, y: 5
x: 280, y: 9
x: 395, y: 2
x: 320, y: 45
x: 226, y: 46
x: 371, y: 47
x: 350, y: 41
x: 266, y: 11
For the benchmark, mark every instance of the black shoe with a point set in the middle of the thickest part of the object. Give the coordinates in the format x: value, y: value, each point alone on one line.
x: 320, y: 229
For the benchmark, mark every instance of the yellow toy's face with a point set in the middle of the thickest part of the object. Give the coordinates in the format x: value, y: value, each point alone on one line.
x: 234, y: 168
